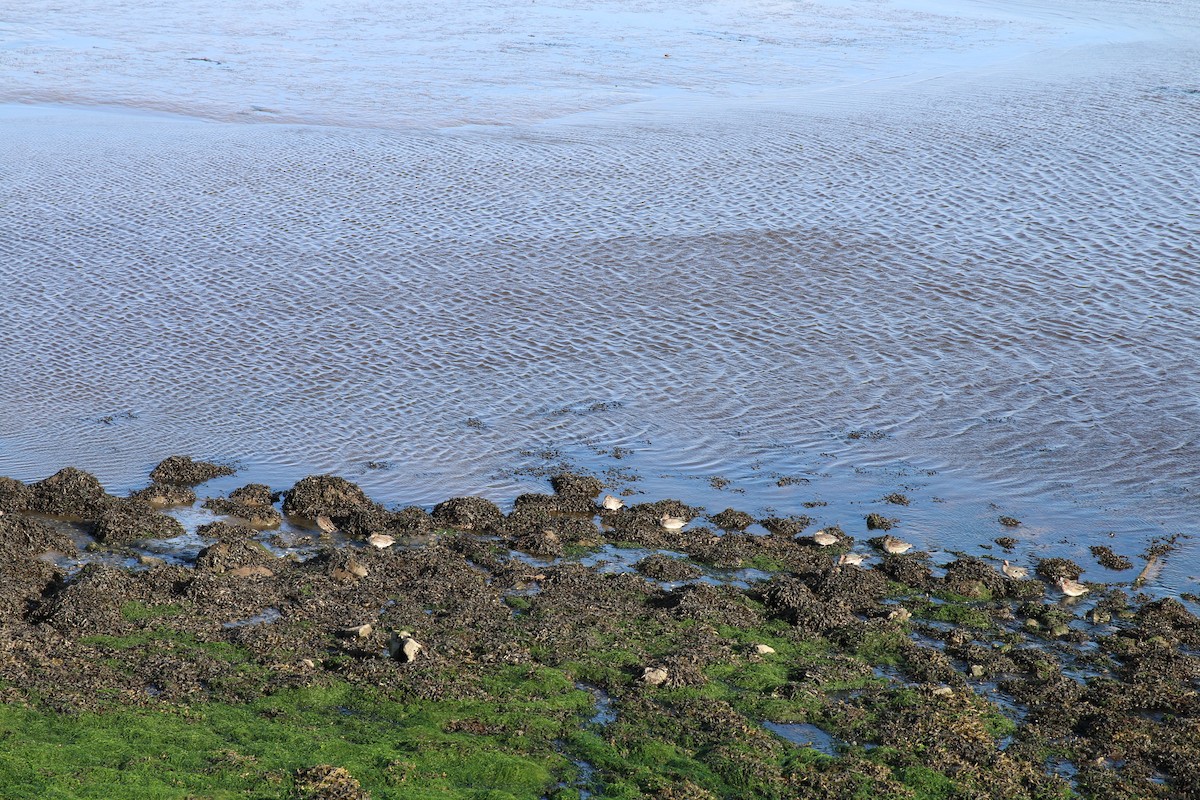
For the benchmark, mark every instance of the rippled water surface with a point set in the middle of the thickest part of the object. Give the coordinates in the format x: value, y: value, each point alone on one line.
x: 949, y: 249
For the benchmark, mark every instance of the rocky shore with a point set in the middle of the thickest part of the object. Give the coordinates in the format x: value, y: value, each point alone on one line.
x: 315, y: 644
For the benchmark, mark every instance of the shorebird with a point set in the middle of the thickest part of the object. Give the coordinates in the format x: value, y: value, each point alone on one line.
x: 824, y: 538
x: 895, y: 546
x: 672, y: 523
x: 1016, y: 573
x: 326, y: 524
x: 854, y: 559
x: 1071, y: 588
x: 613, y: 503
x: 381, y: 540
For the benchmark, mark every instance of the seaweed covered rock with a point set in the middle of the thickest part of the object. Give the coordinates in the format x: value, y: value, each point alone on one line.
x: 91, y: 601
x: 324, y: 495
x: 252, y: 503
x: 130, y: 520
x: 23, y: 538
x: 226, y: 532
x: 228, y: 556
x: 1051, y: 569
x: 974, y: 577
x: 161, y: 495
x: 912, y: 571
x: 786, y: 526
x: 183, y: 471
x: 665, y: 568
x: 70, y: 493
x: 467, y: 513
x: 732, y: 520
x: 569, y: 484
x: 14, y: 495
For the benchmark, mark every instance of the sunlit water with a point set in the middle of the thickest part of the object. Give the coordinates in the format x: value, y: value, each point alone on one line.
x: 949, y: 249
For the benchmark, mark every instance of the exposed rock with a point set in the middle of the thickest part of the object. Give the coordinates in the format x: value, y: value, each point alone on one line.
x: 763, y: 649
x: 228, y: 556
x: 226, y: 532
x: 326, y: 495
x: 403, y: 647
x: 161, y: 495
x: 357, y: 631
x: 14, y: 495
x: 70, y: 493
x: 253, y: 571
x: 251, y: 503
x: 1107, y: 558
x: 568, y: 484
x: 467, y: 513
x: 878, y: 522
x: 183, y: 471
x: 665, y: 568
x: 654, y: 676
x: 130, y: 520
x: 786, y: 526
x: 732, y: 520
x: 1051, y: 569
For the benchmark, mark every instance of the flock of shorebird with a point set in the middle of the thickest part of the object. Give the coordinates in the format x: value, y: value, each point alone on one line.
x: 823, y: 538
x: 889, y: 544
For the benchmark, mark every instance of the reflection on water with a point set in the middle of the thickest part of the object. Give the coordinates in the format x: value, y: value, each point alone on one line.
x: 978, y: 286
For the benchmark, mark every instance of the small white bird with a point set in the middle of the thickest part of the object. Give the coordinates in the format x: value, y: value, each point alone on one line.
x: 326, y: 524
x: 1071, y: 588
x: 613, y: 503
x: 853, y: 559
x: 672, y: 523
x: 1016, y: 573
x: 895, y: 546
x: 825, y: 538
x: 381, y: 540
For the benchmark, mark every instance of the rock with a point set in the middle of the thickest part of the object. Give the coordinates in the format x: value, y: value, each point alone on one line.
x: 1098, y: 616
x: 129, y: 520
x: 654, y: 676
x: 977, y: 670
x: 161, y: 495
x: 403, y: 647
x: 357, y: 631
x: 665, y: 568
x: 467, y: 513
x: 900, y: 614
x: 14, y: 495
x: 786, y: 527
x: 255, y: 571
x: 568, y: 484
x: 228, y: 556
x: 69, y: 493
x: 308, y: 662
x: 878, y: 522
x: 763, y: 649
x: 183, y: 471
x: 325, y: 495
x: 943, y: 691
x: 1059, y: 629
x: 732, y: 520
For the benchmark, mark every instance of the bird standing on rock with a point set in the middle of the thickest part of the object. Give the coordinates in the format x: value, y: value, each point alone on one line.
x: 853, y: 559
x: 1016, y: 573
x: 1071, y: 588
x: 381, y: 540
x: 895, y: 546
x: 613, y: 503
x: 672, y: 523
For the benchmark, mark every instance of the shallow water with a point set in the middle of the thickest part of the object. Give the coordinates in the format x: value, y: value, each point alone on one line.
x: 944, y: 249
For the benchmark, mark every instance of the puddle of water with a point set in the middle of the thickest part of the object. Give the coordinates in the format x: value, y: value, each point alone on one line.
x: 806, y: 735
x: 266, y: 616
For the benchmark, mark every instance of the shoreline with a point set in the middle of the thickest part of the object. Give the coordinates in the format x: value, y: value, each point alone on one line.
x: 541, y: 654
